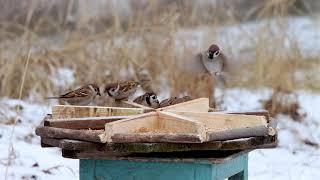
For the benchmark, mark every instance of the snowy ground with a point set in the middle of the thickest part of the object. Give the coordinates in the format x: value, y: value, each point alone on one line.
x: 293, y: 159
x: 302, y: 32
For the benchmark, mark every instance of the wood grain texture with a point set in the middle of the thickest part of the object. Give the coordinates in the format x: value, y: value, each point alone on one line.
x: 156, y: 137
x: 236, y: 133
x: 130, y: 125
x: 222, y: 121
x: 237, y: 144
x: 262, y: 112
x: 154, y: 126
x: 82, y: 123
x: 59, y: 133
x: 196, y: 105
x: 68, y: 111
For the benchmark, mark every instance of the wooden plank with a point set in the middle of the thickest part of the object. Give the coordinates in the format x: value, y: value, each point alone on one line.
x: 156, y: 137
x: 237, y: 133
x: 220, y: 122
x: 154, y: 126
x: 207, y: 157
x: 250, y: 143
x: 82, y: 123
x: 70, y: 144
x: 237, y: 144
x: 68, y: 111
x: 133, y: 149
x: 130, y: 125
x: 50, y: 142
x: 59, y: 133
x: 262, y: 112
x: 196, y: 105
x: 175, y: 123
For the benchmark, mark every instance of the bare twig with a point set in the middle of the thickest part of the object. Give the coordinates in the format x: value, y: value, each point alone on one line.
x: 10, y: 149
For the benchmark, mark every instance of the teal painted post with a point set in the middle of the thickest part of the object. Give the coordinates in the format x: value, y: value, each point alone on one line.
x: 234, y: 169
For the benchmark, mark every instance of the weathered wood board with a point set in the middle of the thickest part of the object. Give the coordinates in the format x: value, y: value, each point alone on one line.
x: 196, y: 105
x: 170, y: 129
x: 237, y: 144
x: 82, y: 123
x: 60, y: 133
x: 67, y: 111
x: 180, y: 127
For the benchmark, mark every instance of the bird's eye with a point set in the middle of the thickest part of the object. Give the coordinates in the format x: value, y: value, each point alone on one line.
x: 215, y: 54
x: 112, y: 89
x: 153, y: 97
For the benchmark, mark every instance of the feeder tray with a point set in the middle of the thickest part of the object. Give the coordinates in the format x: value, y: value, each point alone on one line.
x: 89, y: 131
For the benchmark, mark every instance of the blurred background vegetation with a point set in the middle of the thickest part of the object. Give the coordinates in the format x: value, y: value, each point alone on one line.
x: 104, y: 41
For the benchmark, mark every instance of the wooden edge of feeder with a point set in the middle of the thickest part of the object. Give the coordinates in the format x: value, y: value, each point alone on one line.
x: 156, y: 137
x: 70, y: 111
x: 134, y: 121
x: 153, y: 126
x: 91, y: 155
x: 230, y: 134
x: 81, y: 150
x: 199, y: 105
x: 261, y: 112
x: 60, y: 133
x: 130, y: 149
x: 82, y: 123
x: 184, y: 124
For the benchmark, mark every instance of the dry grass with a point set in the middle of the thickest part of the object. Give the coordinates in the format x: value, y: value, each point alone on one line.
x: 90, y: 45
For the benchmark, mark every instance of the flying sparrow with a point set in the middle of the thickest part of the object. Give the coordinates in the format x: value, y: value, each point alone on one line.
x: 213, y: 60
x: 174, y: 100
x: 121, y: 90
x: 82, y: 96
x: 148, y: 99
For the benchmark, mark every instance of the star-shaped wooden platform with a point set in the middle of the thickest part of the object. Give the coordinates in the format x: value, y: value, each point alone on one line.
x: 188, y: 122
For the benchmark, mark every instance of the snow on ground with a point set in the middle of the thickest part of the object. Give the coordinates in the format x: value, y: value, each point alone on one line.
x: 28, y: 159
x: 293, y: 159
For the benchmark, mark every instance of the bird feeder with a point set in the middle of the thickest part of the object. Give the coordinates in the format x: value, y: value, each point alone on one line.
x: 111, y: 140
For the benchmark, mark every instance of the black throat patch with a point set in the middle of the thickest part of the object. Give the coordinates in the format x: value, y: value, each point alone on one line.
x: 148, y: 100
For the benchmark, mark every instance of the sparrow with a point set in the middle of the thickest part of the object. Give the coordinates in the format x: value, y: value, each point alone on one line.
x: 121, y: 90
x: 82, y: 96
x: 213, y: 60
x: 174, y: 100
x: 148, y: 99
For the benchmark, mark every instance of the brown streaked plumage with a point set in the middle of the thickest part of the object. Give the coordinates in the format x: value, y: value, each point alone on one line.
x: 121, y: 90
x: 174, y: 100
x: 148, y: 99
x: 81, y: 96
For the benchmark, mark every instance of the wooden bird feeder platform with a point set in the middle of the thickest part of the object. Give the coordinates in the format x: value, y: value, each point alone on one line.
x: 183, y: 141
x: 90, y: 131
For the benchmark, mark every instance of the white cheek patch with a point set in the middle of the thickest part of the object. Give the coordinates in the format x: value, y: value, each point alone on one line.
x: 216, y: 54
x: 113, y: 93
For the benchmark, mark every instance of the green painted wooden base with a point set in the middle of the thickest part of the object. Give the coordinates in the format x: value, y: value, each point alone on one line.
x: 235, y: 168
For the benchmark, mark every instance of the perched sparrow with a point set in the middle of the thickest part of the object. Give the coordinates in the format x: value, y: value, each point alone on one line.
x: 174, y: 100
x: 121, y: 90
x: 148, y: 99
x: 81, y: 96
